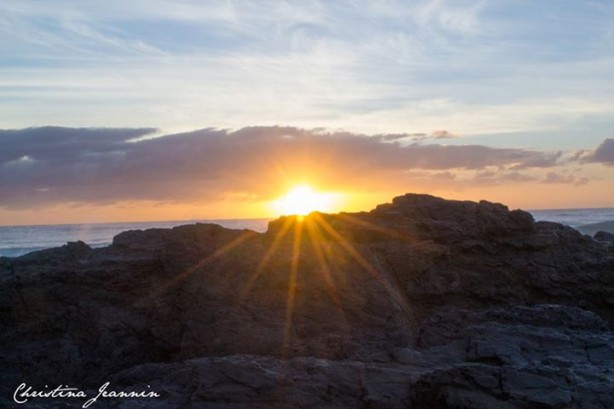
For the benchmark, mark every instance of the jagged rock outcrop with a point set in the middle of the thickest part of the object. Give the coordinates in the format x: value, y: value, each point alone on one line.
x: 419, y: 303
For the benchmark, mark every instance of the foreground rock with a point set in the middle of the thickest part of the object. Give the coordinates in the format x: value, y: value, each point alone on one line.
x: 541, y: 356
x: 419, y: 303
x: 604, y: 236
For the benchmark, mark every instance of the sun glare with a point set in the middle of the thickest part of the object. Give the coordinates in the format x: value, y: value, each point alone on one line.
x: 302, y: 200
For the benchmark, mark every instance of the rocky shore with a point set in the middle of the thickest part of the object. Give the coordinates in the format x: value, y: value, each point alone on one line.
x: 420, y: 303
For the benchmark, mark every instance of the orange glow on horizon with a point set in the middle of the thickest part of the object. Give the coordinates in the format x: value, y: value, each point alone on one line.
x: 303, y: 199
x: 346, y: 197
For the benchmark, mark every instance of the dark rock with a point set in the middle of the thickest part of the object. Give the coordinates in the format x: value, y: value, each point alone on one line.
x: 240, y: 381
x: 604, y: 236
x: 541, y: 356
x: 419, y: 303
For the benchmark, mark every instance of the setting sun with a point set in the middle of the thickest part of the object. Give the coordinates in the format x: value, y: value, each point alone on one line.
x: 302, y: 200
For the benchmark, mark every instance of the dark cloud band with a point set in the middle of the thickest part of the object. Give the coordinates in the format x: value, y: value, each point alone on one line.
x: 50, y: 165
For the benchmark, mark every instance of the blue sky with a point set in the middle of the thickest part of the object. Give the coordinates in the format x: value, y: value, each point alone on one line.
x: 501, y: 73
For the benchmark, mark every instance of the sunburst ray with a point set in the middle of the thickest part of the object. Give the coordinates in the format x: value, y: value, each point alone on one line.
x: 394, y: 234
x: 292, y: 283
x: 251, y: 281
x: 316, y: 239
x: 363, y: 262
x: 247, y: 235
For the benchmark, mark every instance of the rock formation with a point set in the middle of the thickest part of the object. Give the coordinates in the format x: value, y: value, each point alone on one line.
x: 604, y: 236
x: 421, y: 303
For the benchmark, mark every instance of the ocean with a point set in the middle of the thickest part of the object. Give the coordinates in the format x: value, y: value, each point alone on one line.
x: 575, y: 217
x: 586, y: 221
x: 19, y: 240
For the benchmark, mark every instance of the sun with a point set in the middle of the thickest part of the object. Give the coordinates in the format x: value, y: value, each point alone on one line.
x: 302, y: 200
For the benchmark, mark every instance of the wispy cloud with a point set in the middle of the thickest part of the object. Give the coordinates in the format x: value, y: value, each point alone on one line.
x: 454, y: 17
x: 443, y: 134
x: 476, y: 68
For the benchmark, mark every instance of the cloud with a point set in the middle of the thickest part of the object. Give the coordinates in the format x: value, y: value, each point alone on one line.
x: 451, y: 17
x: 539, y: 161
x: 417, y: 136
x: 552, y: 177
x: 443, y: 134
x: 467, y: 179
x: 40, y: 166
x: 64, y: 145
x: 517, y: 177
x: 493, y: 177
x: 431, y: 176
x: 603, y: 154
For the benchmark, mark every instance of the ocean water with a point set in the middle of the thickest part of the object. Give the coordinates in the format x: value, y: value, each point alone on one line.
x: 18, y: 240
x: 575, y: 217
x: 586, y: 221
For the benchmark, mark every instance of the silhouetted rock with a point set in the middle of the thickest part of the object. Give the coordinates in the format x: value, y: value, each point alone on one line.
x: 604, y: 236
x: 423, y: 303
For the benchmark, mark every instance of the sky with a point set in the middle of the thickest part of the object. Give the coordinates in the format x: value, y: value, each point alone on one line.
x: 167, y: 110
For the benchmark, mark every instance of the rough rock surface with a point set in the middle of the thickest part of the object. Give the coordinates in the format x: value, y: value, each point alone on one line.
x: 421, y: 303
x: 604, y: 236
